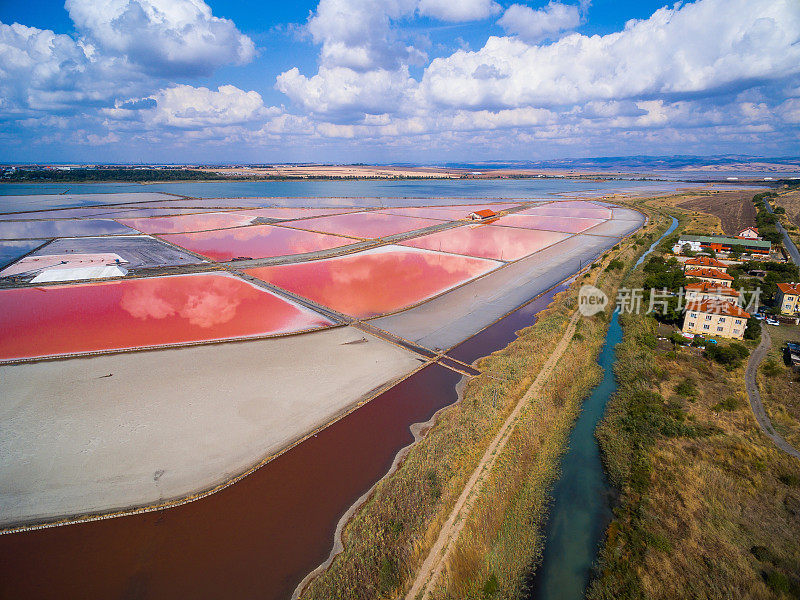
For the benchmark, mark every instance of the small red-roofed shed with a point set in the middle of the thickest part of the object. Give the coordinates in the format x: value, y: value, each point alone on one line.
x: 480, y: 215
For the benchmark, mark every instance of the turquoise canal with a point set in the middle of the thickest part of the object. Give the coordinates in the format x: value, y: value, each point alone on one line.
x: 581, y: 507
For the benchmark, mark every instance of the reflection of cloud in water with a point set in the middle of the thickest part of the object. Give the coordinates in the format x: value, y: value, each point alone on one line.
x: 65, y: 228
x: 204, y: 303
x: 488, y: 242
x: 377, y: 281
x: 258, y: 241
x: 185, y: 223
x: 365, y: 225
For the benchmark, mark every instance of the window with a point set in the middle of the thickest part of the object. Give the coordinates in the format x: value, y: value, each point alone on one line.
x: 708, y: 317
x: 722, y: 319
x: 692, y: 315
x: 737, y: 322
x: 706, y: 327
x: 735, y: 331
x: 720, y: 328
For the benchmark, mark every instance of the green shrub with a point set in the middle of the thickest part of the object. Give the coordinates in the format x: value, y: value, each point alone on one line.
x: 730, y: 356
x: 790, y: 479
x: 771, y: 368
x: 687, y: 387
x: 491, y: 586
x: 729, y: 404
x: 777, y: 581
x: 389, y: 576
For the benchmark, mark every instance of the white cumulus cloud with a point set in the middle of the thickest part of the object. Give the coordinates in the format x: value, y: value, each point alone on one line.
x: 167, y: 37
x: 669, y: 53
x: 458, y: 10
x: 534, y: 25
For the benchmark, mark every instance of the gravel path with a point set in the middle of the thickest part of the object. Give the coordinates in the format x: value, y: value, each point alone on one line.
x: 755, y: 396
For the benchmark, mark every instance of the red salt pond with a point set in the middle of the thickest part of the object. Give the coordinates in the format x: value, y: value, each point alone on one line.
x: 375, y: 282
x: 364, y: 224
x: 486, y: 241
x: 447, y: 213
x: 258, y: 241
x: 567, y: 208
x: 186, y: 223
x: 256, y: 539
x: 65, y: 319
x: 548, y: 222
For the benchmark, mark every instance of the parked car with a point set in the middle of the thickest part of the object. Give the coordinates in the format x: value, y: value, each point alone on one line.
x: 758, y: 316
x: 772, y: 321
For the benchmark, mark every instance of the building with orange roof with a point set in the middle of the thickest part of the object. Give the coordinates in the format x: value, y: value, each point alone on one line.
x: 479, y: 215
x: 750, y: 233
x: 788, y: 298
x: 705, y: 261
x: 710, y: 275
x: 715, y: 318
x: 704, y: 290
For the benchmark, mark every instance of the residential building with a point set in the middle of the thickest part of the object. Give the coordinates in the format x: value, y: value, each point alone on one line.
x: 715, y: 319
x: 722, y: 243
x: 697, y: 292
x: 788, y: 298
x: 705, y: 261
x: 711, y: 275
x: 751, y: 233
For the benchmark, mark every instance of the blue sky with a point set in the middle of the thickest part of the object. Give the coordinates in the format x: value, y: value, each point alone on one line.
x: 396, y: 80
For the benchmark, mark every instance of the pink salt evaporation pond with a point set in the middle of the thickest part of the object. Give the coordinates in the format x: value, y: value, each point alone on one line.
x: 446, y: 213
x: 292, y: 213
x: 377, y: 281
x: 570, y: 208
x: 364, y: 224
x: 133, y: 313
x: 186, y: 223
x: 258, y: 241
x: 548, y: 222
x: 487, y: 241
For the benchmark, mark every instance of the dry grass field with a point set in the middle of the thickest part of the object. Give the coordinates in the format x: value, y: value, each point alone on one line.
x: 734, y: 209
x: 790, y: 200
x: 780, y: 385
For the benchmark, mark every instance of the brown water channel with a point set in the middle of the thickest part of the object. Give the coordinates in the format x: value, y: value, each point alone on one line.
x: 259, y: 537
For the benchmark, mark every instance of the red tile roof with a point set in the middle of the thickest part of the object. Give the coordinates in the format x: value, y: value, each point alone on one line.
x: 718, y: 308
x: 705, y: 261
x: 708, y: 273
x: 707, y: 287
x: 485, y: 213
x: 789, y: 288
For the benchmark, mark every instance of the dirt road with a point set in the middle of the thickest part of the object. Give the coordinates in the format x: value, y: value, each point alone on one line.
x: 755, y: 396
x: 437, y: 558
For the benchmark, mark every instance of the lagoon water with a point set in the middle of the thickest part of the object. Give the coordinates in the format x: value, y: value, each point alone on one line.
x: 330, y: 193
